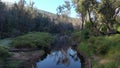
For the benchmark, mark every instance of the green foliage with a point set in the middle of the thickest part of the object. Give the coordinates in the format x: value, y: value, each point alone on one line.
x: 114, y: 53
x: 76, y: 36
x: 102, y: 45
x: 98, y: 45
x: 33, y: 40
x: 93, y: 45
x: 14, y: 64
x: 85, y: 34
x: 118, y: 29
x: 112, y: 64
x: 105, y: 47
x: 4, y: 52
x: 22, y: 18
x: 84, y: 48
x: 103, y: 28
x: 79, y: 36
x: 88, y: 25
x: 102, y: 17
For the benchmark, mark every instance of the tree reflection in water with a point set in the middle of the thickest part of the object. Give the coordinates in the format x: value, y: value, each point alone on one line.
x: 62, y: 58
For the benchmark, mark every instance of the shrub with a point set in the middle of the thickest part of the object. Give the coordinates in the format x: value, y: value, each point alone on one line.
x: 114, y: 53
x: 33, y: 40
x: 84, y: 48
x: 118, y: 29
x: 4, y: 52
x: 14, y: 64
x: 112, y: 64
x: 79, y: 36
x: 107, y: 47
x: 99, y: 45
x: 76, y: 36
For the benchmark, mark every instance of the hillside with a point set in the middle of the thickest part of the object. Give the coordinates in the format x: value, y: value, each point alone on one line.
x: 18, y: 19
x: 57, y: 19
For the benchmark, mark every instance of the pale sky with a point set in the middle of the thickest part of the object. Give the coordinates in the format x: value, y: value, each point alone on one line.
x: 47, y: 5
x: 8, y: 0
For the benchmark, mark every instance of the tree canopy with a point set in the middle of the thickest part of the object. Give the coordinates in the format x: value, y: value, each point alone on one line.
x: 100, y: 14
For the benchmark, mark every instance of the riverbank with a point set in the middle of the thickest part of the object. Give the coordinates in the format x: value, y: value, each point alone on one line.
x: 104, y: 51
x: 22, y: 51
x: 26, y: 58
x: 19, y: 58
x: 94, y: 52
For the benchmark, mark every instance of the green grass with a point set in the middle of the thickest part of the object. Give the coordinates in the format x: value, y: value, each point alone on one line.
x: 4, y: 52
x: 112, y: 64
x: 14, y: 64
x: 33, y: 40
x: 104, y: 47
x: 84, y: 48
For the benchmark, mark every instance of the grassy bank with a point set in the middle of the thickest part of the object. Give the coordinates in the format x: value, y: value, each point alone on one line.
x: 33, y: 40
x: 41, y: 40
x: 4, y: 53
x: 104, y: 51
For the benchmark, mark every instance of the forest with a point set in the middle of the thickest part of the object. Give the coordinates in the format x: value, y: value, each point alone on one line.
x: 26, y: 31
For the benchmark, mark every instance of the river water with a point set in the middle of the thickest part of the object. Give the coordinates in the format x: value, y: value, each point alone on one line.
x: 62, y: 58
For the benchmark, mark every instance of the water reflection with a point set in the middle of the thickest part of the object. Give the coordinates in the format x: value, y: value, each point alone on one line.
x: 62, y: 58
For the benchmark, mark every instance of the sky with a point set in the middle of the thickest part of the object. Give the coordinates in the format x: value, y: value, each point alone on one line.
x: 51, y: 5
x: 47, y: 5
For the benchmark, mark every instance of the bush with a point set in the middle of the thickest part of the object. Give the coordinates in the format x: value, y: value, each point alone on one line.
x: 4, y: 52
x: 76, y: 36
x: 103, y: 44
x: 84, y: 48
x: 79, y: 36
x: 99, y: 45
x: 112, y: 64
x: 114, y: 53
x: 33, y: 40
x: 14, y: 64
x: 105, y: 47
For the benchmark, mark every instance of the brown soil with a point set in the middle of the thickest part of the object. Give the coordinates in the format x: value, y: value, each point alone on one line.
x: 29, y: 57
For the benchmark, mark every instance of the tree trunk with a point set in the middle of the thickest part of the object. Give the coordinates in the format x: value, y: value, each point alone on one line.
x: 82, y: 21
x: 89, y: 14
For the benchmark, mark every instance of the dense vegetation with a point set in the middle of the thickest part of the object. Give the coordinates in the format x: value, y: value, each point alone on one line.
x: 21, y: 18
x: 33, y: 40
x: 101, y: 15
x: 105, y: 48
x: 4, y: 52
x: 102, y: 50
x: 99, y: 37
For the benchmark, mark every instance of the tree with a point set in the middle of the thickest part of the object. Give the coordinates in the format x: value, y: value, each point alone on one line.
x: 80, y: 9
x: 64, y: 10
x: 102, y: 13
x: 85, y: 8
x: 107, y: 10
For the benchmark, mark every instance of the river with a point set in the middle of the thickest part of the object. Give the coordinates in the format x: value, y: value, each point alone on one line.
x: 63, y: 58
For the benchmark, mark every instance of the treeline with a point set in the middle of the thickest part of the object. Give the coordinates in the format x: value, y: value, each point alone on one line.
x: 21, y: 18
x: 99, y: 17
